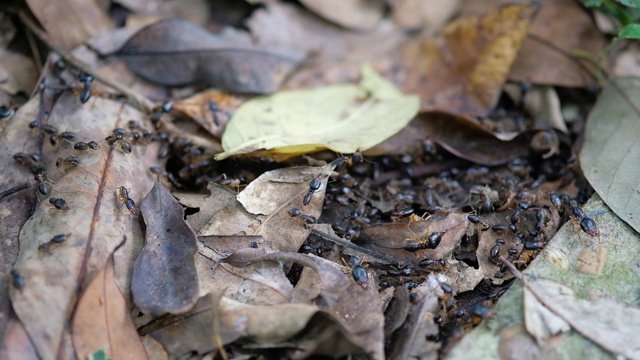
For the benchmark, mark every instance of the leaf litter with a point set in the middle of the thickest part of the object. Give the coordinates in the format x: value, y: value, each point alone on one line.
x: 273, y: 246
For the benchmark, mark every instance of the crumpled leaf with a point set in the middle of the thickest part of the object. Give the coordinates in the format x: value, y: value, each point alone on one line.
x: 417, y: 14
x: 198, y: 107
x: 459, y: 135
x: 164, y: 274
x: 353, y: 14
x: 607, y: 322
x: 343, y: 118
x: 541, y: 322
x: 176, y: 52
x: 102, y: 321
x: 96, y: 219
x: 463, y: 70
x: 412, y: 337
x: 611, y: 151
x: 391, y: 238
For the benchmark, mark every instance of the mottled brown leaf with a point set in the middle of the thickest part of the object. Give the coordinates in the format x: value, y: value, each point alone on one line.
x: 164, y: 274
x: 462, y: 71
x: 176, y: 52
x: 460, y: 135
x: 96, y: 219
x: 390, y: 239
x: 102, y: 321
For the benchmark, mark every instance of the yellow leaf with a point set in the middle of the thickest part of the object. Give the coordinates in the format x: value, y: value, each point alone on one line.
x: 343, y: 118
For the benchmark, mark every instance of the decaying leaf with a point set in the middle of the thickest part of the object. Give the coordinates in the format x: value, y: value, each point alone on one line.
x: 164, y: 275
x: 463, y: 70
x: 354, y: 14
x: 460, y: 135
x: 102, y: 321
x: 546, y: 58
x: 540, y: 322
x: 176, y: 52
x: 343, y: 118
x: 391, y: 239
x: 95, y: 220
x: 605, y: 321
x: 611, y: 148
x: 412, y: 339
x: 212, y: 109
x: 417, y: 14
x: 14, y: 138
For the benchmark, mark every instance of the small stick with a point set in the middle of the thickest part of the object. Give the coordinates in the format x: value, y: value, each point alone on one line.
x: 14, y: 190
x: 138, y: 99
x: 355, y: 247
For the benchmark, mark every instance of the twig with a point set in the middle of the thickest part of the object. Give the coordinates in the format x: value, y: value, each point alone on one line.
x: 353, y: 246
x: 141, y: 101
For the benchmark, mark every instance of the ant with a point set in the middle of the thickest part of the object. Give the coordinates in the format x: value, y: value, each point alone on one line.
x: 58, y: 203
x: 475, y: 219
x: 215, y: 109
x: 82, y: 146
x: 69, y: 161
x: 123, y: 195
x: 166, y: 107
x: 57, y: 239
x: 17, y: 280
x: 5, y: 112
x: 86, y: 81
x: 359, y: 272
x: 314, y: 185
x: 125, y: 146
x: 308, y: 219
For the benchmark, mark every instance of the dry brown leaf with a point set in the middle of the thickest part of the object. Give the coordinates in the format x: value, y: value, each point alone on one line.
x: 352, y: 14
x: 460, y: 135
x: 14, y: 137
x: 21, y: 71
x: 561, y: 27
x: 412, y: 337
x: 176, y: 52
x: 390, y: 239
x: 96, y: 219
x: 164, y: 276
x: 101, y: 321
x: 198, y: 107
x: 87, y: 17
x: 463, y: 70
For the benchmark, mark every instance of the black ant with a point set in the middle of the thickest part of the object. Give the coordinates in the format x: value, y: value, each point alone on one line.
x: 85, y: 93
x: 117, y: 138
x: 475, y: 219
x: 308, y: 219
x: 82, y: 146
x: 57, y: 239
x: 58, y: 203
x: 17, y: 280
x: 314, y: 185
x: 69, y: 161
x: 166, y: 107
x: 359, y: 272
x: 5, y: 112
x: 123, y: 195
x: 215, y: 109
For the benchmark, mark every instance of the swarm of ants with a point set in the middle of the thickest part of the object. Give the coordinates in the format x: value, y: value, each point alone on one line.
x: 523, y: 195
